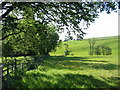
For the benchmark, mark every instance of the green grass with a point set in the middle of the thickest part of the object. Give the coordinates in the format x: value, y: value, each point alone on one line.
x: 78, y: 71
x: 80, y: 48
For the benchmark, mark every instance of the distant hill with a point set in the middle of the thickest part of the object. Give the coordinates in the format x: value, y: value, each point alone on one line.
x: 81, y: 47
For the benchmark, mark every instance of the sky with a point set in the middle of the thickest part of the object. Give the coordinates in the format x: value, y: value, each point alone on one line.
x: 105, y: 25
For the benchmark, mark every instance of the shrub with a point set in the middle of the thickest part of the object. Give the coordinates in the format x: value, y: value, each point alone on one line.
x: 102, y: 50
x: 98, y: 50
x: 67, y: 50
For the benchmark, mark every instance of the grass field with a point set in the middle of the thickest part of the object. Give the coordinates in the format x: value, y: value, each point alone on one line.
x: 75, y: 71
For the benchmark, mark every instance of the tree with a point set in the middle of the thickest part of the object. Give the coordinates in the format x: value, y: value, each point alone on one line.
x: 92, y: 44
x: 69, y: 14
x: 108, y: 50
x: 35, y: 39
x: 98, y: 50
x: 67, y: 50
x: 103, y: 50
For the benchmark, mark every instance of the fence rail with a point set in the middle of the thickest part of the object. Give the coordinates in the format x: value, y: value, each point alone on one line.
x: 11, y: 67
x: 1, y: 76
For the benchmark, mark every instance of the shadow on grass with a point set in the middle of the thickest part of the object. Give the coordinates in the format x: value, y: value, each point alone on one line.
x: 62, y: 81
x: 62, y: 58
x: 42, y: 78
x: 115, y: 80
x: 78, y: 81
x: 77, y: 63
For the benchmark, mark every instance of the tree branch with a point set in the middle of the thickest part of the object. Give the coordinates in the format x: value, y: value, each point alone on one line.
x: 7, y: 12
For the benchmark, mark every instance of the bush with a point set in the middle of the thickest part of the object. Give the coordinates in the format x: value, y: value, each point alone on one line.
x: 102, y: 50
x: 98, y: 50
x: 67, y: 51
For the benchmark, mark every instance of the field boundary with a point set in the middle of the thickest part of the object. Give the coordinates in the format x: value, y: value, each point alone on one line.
x: 11, y: 67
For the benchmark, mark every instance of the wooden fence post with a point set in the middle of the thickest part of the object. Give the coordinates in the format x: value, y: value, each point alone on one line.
x: 1, y: 69
x: 12, y: 67
x: 8, y: 75
x: 15, y: 64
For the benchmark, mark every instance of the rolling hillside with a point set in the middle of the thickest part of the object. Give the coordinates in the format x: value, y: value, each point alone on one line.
x: 80, y: 48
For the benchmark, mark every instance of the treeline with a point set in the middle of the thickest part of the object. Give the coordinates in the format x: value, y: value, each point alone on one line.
x: 100, y: 49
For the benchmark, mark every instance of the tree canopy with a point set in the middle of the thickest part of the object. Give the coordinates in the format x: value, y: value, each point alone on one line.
x: 35, y: 39
x: 69, y: 14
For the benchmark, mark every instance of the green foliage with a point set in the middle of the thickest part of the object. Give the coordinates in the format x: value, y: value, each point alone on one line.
x: 69, y: 14
x: 106, y: 50
x: 7, y: 49
x: 98, y: 50
x: 35, y: 38
x: 92, y: 43
x: 103, y: 50
x: 67, y: 50
x: 60, y: 43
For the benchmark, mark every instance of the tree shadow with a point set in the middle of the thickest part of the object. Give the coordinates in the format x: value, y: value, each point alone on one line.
x: 115, y: 80
x: 93, y: 61
x: 40, y: 78
x: 77, y: 80
x: 78, y: 63
x: 62, y: 58
x: 64, y: 81
x: 105, y: 66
